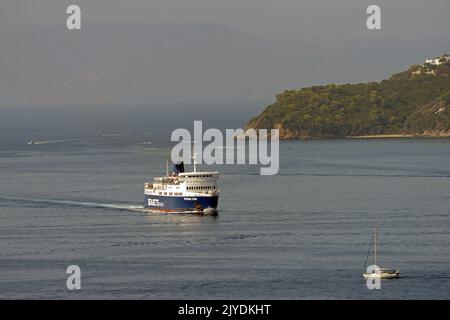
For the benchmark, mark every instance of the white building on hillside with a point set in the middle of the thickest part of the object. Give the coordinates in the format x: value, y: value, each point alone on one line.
x: 434, y: 62
x: 438, y: 61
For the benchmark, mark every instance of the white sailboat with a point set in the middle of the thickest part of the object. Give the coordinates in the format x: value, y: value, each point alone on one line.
x: 379, y: 272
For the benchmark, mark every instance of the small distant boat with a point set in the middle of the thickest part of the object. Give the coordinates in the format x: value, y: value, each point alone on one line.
x: 30, y: 142
x: 381, y: 273
x: 110, y: 134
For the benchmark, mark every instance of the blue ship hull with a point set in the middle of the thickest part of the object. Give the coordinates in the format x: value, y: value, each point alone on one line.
x: 181, y: 203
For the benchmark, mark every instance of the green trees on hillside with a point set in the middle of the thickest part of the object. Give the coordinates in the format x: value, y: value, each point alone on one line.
x: 405, y: 103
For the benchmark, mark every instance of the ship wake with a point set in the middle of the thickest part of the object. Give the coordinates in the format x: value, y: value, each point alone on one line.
x: 113, y: 206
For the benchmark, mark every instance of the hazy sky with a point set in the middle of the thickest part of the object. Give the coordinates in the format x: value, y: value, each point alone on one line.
x: 139, y: 51
x: 264, y: 17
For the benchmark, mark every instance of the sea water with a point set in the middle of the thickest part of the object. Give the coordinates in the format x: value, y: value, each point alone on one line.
x: 301, y: 234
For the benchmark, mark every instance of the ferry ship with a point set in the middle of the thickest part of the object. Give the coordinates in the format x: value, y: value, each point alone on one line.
x: 183, y: 192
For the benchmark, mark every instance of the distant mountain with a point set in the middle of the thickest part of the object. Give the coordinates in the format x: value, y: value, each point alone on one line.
x: 414, y: 102
x: 109, y: 62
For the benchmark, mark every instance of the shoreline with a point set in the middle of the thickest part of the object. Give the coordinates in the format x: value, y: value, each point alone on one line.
x: 400, y: 136
x: 389, y: 136
x: 372, y: 137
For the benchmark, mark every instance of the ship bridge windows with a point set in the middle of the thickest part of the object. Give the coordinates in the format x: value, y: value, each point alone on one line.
x: 202, y: 188
x: 199, y: 176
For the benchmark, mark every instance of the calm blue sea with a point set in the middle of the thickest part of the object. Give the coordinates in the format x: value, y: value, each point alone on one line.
x: 76, y: 198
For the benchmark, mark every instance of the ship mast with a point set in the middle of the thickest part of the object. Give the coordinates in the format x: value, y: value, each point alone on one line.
x: 167, y: 167
x: 194, y: 158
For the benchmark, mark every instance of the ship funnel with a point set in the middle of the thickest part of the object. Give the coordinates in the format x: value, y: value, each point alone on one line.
x: 178, y: 167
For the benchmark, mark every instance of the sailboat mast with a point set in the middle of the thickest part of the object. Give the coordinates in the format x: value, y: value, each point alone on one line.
x: 375, y: 246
